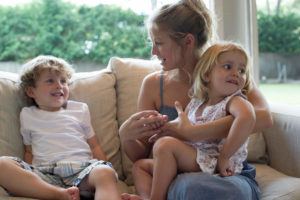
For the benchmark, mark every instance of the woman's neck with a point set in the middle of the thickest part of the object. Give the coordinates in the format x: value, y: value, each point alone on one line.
x: 187, y: 71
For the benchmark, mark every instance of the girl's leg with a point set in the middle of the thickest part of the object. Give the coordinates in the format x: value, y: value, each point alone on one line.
x: 102, y: 180
x: 142, y: 172
x: 170, y: 155
x: 27, y: 184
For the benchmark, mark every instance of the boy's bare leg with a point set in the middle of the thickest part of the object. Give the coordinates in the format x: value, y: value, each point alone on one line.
x: 102, y: 180
x: 170, y: 155
x: 27, y: 184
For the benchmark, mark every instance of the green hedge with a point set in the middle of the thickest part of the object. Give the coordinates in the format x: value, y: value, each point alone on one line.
x: 75, y: 33
x: 97, y: 33
x: 279, y: 33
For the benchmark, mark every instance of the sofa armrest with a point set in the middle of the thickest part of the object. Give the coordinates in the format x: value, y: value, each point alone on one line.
x: 283, y: 139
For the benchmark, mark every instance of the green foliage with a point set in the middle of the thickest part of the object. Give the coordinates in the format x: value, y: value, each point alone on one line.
x: 279, y: 33
x: 75, y: 33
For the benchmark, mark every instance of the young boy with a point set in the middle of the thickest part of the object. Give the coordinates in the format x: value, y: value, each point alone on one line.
x: 60, y: 143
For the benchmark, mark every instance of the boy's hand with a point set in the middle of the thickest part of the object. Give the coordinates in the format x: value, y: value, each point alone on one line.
x: 223, y: 167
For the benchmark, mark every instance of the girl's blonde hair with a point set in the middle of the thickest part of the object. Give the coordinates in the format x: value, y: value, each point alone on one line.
x: 208, y: 60
x: 32, y: 70
x: 182, y: 18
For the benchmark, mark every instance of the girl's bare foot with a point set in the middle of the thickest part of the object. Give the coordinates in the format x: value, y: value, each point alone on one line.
x: 73, y: 193
x: 126, y: 196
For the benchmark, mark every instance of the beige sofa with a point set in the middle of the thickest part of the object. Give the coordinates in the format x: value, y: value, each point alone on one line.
x: 112, y: 93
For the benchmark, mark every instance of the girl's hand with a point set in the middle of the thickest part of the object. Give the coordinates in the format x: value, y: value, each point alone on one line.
x: 176, y: 128
x: 223, y: 167
x: 141, y: 125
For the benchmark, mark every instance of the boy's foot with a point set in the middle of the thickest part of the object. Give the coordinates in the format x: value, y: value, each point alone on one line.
x: 126, y: 196
x: 73, y: 193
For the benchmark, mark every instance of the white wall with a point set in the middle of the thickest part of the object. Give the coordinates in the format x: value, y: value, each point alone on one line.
x: 237, y: 22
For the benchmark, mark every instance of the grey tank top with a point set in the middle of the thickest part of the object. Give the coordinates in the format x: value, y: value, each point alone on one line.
x: 171, y: 112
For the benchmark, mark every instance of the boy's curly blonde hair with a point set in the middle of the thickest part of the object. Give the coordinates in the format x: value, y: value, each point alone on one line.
x: 31, y: 70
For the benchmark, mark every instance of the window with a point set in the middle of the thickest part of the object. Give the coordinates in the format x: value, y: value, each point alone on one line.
x: 85, y: 33
x: 279, y: 49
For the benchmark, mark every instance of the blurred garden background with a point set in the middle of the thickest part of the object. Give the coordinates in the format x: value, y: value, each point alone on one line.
x: 89, y: 35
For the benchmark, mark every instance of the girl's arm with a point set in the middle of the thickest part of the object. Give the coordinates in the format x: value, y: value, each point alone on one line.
x: 181, y: 128
x: 241, y: 128
x: 28, y: 157
x: 96, y: 148
x: 219, y: 128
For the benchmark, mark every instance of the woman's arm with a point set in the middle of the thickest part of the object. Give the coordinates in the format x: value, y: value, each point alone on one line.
x: 261, y: 107
x: 96, y: 148
x: 136, y: 130
x: 28, y: 157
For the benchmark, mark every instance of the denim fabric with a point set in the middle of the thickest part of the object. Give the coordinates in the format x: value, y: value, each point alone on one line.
x: 201, y: 186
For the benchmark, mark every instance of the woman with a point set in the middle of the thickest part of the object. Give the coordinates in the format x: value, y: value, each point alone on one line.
x: 180, y: 32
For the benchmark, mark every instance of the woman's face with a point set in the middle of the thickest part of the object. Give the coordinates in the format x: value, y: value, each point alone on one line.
x: 166, y: 50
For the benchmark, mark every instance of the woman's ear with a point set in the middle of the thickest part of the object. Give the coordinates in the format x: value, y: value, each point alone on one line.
x: 29, y: 92
x: 189, y: 40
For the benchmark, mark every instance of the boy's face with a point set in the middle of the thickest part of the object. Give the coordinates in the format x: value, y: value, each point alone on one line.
x: 51, y: 90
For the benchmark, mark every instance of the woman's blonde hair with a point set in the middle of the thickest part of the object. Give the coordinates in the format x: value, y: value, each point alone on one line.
x: 208, y: 60
x: 32, y: 70
x: 182, y: 18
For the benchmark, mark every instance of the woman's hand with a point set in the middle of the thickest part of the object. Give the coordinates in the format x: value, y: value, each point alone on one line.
x: 136, y: 130
x: 142, y: 125
x: 176, y: 128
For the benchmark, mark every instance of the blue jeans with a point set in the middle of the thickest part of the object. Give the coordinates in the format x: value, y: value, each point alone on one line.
x: 201, y: 186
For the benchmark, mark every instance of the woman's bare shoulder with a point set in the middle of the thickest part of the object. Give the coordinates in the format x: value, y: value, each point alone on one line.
x: 152, y: 78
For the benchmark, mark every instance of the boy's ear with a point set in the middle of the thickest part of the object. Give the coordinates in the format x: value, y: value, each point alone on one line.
x: 29, y: 92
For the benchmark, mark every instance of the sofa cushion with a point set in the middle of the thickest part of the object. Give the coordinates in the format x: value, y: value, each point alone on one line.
x: 97, y: 90
x: 257, y: 149
x: 283, y: 139
x: 275, y: 185
x: 11, y: 103
x: 129, y: 76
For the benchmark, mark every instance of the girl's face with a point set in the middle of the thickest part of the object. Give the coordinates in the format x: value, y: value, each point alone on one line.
x: 51, y: 90
x: 166, y: 50
x: 228, y: 75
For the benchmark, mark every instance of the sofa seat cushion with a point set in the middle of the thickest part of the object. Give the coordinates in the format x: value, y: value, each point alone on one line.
x: 276, y: 185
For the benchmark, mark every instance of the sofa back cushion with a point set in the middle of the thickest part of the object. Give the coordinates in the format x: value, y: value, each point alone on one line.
x: 283, y: 139
x: 97, y: 90
x: 11, y: 102
x: 94, y: 88
x: 129, y: 76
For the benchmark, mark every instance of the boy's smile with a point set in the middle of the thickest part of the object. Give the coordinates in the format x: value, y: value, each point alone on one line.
x: 51, y: 90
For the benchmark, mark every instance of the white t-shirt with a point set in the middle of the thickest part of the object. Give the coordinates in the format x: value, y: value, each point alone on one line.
x: 57, y: 136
